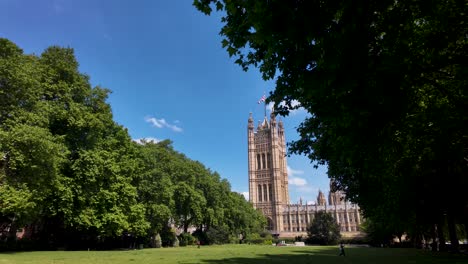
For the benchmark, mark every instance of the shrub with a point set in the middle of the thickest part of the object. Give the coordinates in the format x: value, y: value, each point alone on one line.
x: 186, y: 239
x: 200, y: 236
x: 218, y: 235
x: 168, y: 237
x: 255, y: 238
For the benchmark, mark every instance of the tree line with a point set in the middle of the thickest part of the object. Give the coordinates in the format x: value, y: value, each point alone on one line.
x: 384, y: 83
x: 70, y: 176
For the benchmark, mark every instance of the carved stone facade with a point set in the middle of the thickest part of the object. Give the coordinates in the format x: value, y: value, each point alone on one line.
x: 268, y: 186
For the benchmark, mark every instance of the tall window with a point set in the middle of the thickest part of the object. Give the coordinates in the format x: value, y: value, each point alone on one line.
x: 263, y: 159
x: 270, y: 193
x: 265, y: 194
x: 259, y: 193
x: 268, y: 160
x: 258, y: 162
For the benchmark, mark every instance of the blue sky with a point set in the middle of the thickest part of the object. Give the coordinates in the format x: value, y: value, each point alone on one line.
x: 169, y: 76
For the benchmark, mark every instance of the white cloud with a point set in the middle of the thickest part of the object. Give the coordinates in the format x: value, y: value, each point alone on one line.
x: 162, y: 123
x: 297, y: 181
x: 147, y: 139
x: 292, y: 172
x: 246, y: 195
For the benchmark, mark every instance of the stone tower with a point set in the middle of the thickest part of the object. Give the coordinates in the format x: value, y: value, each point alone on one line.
x: 335, y: 197
x: 321, y: 199
x: 268, y: 177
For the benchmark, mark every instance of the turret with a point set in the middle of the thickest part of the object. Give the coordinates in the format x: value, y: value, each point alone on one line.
x: 335, y: 197
x: 273, y: 119
x: 251, y: 154
x: 321, y: 199
x: 250, y: 124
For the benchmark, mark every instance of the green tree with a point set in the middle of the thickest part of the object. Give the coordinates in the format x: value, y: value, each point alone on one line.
x: 241, y: 217
x: 154, y: 184
x: 189, y: 204
x: 68, y: 170
x: 67, y: 163
x: 384, y: 84
x: 323, y: 230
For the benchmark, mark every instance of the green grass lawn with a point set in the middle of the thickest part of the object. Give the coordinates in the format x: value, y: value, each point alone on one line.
x: 236, y: 254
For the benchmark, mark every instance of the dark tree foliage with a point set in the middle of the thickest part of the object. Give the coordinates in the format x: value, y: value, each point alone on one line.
x: 218, y: 235
x: 324, y: 230
x: 384, y: 83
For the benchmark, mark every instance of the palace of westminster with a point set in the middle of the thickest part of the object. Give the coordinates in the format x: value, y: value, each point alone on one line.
x: 268, y: 186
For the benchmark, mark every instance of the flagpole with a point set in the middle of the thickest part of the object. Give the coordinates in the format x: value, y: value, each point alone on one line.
x: 264, y: 103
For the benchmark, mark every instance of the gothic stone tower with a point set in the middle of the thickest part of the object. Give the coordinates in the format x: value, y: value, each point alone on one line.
x: 268, y: 177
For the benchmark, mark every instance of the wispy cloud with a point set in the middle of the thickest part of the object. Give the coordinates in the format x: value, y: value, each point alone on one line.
x: 300, y: 186
x: 292, y: 172
x: 147, y: 139
x: 162, y: 123
x: 293, y: 179
x: 297, y: 181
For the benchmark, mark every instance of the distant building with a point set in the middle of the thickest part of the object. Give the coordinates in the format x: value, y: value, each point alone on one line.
x: 268, y: 186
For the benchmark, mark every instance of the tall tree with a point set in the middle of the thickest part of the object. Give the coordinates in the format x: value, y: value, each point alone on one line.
x: 384, y: 83
x: 62, y: 152
x: 154, y: 184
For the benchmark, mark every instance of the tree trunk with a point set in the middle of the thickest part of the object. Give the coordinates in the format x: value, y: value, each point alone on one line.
x: 12, y: 231
x: 440, y: 234
x: 466, y: 230
x: 434, y: 238
x: 453, y: 233
x: 186, y: 224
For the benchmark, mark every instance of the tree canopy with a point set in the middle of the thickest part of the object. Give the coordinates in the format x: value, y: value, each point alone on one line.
x: 323, y: 229
x: 71, y: 176
x: 384, y: 83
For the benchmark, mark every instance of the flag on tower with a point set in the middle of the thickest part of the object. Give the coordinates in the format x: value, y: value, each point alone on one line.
x: 262, y: 100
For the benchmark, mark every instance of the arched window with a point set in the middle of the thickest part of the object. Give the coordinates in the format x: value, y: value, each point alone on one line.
x: 259, y: 193
x: 270, y: 223
x: 263, y: 160
x: 258, y: 162
x: 268, y: 160
x: 265, y: 194
x: 270, y: 193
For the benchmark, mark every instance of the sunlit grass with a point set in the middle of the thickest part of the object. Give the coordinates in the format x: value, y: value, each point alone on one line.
x: 235, y: 254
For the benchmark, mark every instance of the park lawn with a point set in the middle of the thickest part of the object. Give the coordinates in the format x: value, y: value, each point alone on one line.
x: 235, y: 254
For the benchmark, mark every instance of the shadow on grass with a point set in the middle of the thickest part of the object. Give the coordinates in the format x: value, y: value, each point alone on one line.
x: 299, y: 257
x: 353, y: 255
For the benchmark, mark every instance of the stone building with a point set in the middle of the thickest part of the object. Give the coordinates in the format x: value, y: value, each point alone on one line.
x: 268, y: 186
